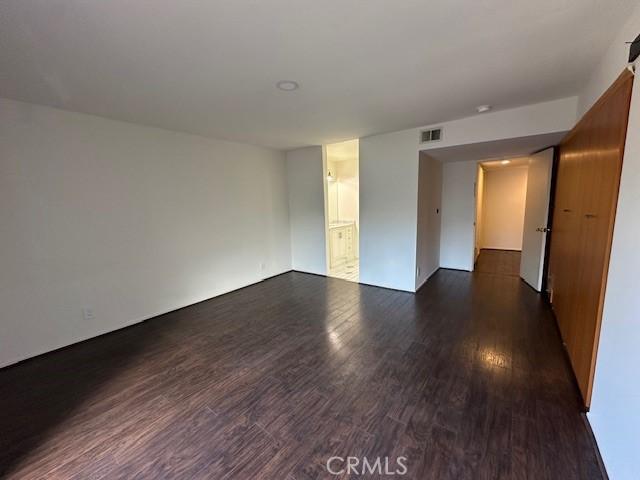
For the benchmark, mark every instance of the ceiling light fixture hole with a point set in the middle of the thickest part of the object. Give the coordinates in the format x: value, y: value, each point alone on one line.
x: 287, y: 85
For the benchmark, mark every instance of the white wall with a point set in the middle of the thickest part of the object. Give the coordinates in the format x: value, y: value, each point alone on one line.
x: 305, y: 180
x: 540, y: 118
x: 429, y: 198
x: 458, y: 215
x: 458, y: 240
x: 615, y: 404
x: 388, y: 170
x: 611, y: 65
x: 388, y: 210
x: 504, y: 198
x: 457, y: 231
x: 127, y: 220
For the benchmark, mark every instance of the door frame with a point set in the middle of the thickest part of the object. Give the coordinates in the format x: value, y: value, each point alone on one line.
x: 549, y: 234
x: 552, y: 205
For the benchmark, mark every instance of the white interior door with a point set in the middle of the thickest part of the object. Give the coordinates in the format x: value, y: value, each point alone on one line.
x: 536, y: 216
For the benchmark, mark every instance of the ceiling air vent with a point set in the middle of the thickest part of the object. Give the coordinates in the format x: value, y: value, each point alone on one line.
x: 431, y: 135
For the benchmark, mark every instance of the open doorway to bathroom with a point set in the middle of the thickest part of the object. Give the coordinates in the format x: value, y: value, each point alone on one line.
x: 342, y: 224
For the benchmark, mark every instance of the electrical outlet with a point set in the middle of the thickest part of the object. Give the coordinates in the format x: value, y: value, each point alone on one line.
x: 88, y: 314
x: 263, y: 266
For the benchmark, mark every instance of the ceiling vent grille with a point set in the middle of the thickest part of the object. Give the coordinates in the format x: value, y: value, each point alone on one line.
x: 431, y: 135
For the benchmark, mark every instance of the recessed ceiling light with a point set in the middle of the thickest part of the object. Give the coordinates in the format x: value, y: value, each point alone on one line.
x: 288, y: 85
x: 483, y: 108
x: 505, y: 162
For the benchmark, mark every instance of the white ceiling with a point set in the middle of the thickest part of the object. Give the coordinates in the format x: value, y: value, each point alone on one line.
x: 365, y: 67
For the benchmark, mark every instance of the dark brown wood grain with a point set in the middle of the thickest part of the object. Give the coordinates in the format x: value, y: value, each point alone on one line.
x: 466, y: 378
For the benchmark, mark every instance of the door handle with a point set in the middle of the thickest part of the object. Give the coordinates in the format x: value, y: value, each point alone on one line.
x: 543, y: 229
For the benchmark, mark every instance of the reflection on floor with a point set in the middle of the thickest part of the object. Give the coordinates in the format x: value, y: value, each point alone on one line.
x: 466, y: 378
x: 499, y: 262
x: 347, y: 271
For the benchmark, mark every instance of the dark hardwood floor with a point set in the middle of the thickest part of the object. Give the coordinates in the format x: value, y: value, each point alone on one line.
x: 467, y: 379
x: 498, y: 262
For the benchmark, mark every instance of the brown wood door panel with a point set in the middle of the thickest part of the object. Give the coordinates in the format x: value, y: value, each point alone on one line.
x: 611, y: 127
x: 559, y: 256
x: 590, y: 163
x: 576, y: 245
x: 567, y: 225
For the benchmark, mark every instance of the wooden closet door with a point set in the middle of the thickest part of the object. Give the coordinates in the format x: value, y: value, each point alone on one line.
x: 580, y: 185
x: 590, y: 163
x: 564, y: 258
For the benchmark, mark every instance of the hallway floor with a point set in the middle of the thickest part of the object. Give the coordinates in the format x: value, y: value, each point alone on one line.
x: 498, y: 262
x: 466, y: 379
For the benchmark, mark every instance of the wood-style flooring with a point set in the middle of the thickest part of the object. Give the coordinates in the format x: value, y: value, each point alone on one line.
x: 498, y: 262
x: 466, y: 378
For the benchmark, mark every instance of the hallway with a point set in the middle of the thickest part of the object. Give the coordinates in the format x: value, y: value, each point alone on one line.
x: 466, y: 379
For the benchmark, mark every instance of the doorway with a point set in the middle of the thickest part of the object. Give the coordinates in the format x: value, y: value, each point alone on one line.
x: 512, y: 215
x: 500, y: 208
x: 342, y: 198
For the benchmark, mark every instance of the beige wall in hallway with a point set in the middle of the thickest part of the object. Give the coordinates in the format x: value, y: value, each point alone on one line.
x: 504, y: 196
